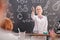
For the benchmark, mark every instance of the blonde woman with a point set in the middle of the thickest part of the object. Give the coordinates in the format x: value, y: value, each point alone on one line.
x: 41, y: 23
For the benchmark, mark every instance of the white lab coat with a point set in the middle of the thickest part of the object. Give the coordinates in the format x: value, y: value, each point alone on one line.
x: 40, y: 26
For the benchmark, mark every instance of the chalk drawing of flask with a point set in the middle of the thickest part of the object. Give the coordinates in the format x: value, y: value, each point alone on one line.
x: 19, y: 8
x: 25, y: 9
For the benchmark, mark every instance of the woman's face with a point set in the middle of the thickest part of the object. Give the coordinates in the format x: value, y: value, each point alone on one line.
x: 39, y: 10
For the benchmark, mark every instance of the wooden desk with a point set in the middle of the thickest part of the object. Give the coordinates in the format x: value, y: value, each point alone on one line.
x: 30, y: 34
x: 33, y: 34
x: 38, y: 34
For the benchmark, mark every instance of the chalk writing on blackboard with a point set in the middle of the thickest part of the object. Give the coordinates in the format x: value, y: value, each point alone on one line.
x: 19, y: 16
x: 22, y: 1
x: 25, y: 9
x: 19, y: 9
x: 47, y: 5
x: 56, y: 6
x: 37, y: 1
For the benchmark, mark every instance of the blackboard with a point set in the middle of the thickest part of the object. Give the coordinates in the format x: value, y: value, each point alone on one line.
x: 20, y: 13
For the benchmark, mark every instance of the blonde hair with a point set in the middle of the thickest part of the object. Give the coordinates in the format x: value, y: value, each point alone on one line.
x: 39, y: 6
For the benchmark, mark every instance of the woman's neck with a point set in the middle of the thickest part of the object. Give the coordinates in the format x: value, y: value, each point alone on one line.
x: 39, y: 15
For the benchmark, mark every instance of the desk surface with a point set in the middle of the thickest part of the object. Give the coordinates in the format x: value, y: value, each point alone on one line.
x: 30, y: 34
